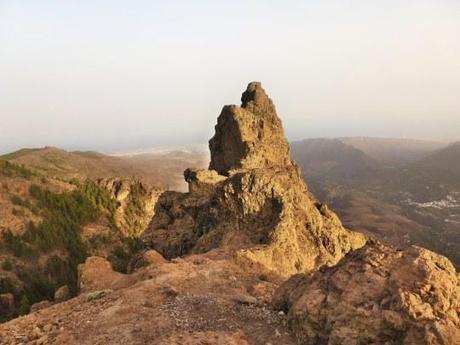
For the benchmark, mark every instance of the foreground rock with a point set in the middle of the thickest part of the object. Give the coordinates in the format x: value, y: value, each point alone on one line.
x: 97, y: 274
x: 199, y: 300
x: 261, y: 210
x: 376, y: 295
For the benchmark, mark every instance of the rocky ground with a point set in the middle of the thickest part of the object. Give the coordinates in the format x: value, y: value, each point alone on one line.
x: 204, y: 299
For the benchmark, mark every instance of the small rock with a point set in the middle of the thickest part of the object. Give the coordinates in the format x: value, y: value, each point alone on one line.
x: 244, y: 299
x: 62, y: 294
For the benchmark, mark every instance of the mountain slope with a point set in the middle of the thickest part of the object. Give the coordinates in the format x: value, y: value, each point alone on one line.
x: 443, y: 166
x: 331, y: 159
x: 163, y: 169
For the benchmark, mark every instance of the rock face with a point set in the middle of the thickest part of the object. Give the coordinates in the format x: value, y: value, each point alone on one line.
x: 62, y: 294
x: 250, y: 136
x: 191, y: 301
x: 136, y: 203
x: 376, y: 295
x: 97, y: 274
x: 261, y: 211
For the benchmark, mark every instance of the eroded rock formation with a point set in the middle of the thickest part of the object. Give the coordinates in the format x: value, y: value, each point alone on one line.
x: 250, y: 136
x: 135, y: 203
x: 376, y: 295
x: 261, y: 210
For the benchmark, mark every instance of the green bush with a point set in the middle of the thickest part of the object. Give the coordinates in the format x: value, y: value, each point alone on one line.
x: 7, y: 265
x: 14, y: 244
x: 121, y: 255
x: 17, y: 200
x: 14, y: 170
x: 7, y: 286
x: 24, y: 305
x: 17, y: 212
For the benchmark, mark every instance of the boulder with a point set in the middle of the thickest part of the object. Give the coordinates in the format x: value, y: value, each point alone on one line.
x: 376, y: 295
x: 40, y: 305
x: 201, y: 181
x: 97, y: 274
x: 62, y: 294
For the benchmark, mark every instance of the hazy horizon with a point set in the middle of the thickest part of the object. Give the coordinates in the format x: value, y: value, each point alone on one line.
x: 112, y: 76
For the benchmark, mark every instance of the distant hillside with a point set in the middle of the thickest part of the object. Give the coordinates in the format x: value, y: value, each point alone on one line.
x: 378, y: 186
x: 58, y: 207
x: 394, y: 151
x: 331, y: 159
x: 160, y: 169
x: 443, y: 166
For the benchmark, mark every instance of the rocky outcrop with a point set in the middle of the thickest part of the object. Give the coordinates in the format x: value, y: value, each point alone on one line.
x: 97, y: 274
x: 261, y: 211
x: 62, y: 294
x: 376, y: 295
x: 250, y: 136
x: 136, y: 204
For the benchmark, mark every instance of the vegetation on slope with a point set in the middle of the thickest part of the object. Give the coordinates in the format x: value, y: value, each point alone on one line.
x: 14, y: 170
x: 58, y: 242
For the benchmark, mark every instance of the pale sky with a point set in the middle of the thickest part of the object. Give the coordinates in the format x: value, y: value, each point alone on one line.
x: 115, y: 75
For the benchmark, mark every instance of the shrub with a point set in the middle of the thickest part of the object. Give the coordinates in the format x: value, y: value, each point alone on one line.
x: 6, y: 265
x: 14, y: 170
x: 24, y: 305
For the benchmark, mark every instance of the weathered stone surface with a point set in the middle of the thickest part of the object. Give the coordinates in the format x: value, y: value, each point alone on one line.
x: 97, y: 274
x: 202, y: 181
x: 195, y: 300
x: 262, y: 212
x: 376, y: 295
x: 250, y: 136
x: 136, y: 203
x: 62, y: 294
x: 40, y: 305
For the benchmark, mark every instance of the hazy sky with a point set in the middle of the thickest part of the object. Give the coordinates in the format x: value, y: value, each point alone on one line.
x: 115, y: 75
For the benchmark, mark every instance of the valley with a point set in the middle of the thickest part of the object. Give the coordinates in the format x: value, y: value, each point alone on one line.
x: 414, y: 200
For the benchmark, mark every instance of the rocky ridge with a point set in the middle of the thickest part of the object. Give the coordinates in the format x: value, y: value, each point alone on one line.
x: 252, y: 200
x: 228, y: 245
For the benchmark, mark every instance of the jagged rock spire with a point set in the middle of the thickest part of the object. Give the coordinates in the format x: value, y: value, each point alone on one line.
x: 250, y: 136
